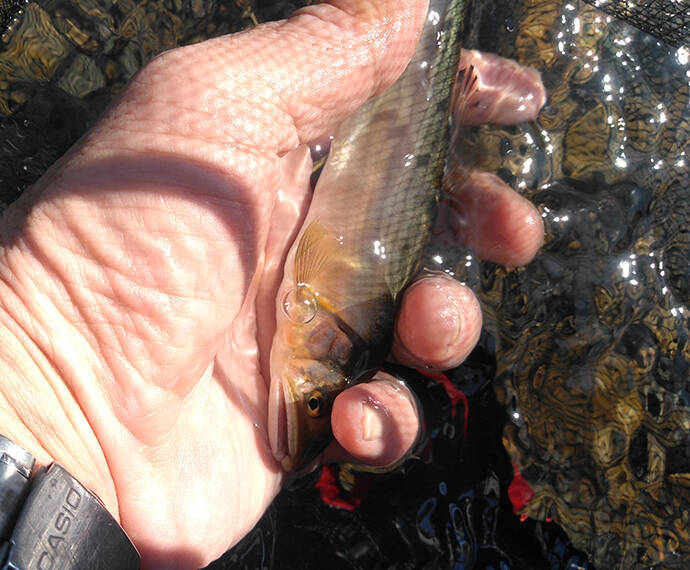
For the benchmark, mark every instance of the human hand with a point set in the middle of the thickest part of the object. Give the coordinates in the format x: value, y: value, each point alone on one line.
x: 138, y: 278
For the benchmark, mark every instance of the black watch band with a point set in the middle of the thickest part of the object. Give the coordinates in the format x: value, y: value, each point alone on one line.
x: 48, y: 520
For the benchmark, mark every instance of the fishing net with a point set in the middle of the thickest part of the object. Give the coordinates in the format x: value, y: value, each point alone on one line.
x: 667, y: 20
x: 459, y: 508
x: 9, y: 9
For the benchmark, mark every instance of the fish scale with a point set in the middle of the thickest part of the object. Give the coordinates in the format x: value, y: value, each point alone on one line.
x: 382, y: 181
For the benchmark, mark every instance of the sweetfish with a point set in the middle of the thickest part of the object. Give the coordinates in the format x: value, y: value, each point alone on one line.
x: 361, y: 243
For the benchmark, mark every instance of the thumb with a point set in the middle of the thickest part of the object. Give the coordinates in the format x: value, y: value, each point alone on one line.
x: 269, y: 88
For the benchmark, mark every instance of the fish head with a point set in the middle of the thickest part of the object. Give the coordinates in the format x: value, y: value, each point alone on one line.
x: 310, y: 361
x: 311, y: 355
x: 301, y: 400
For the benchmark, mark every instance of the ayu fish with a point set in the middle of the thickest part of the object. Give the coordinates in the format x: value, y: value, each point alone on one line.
x: 362, y: 242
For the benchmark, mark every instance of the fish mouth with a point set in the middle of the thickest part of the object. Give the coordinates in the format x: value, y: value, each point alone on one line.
x: 282, y: 424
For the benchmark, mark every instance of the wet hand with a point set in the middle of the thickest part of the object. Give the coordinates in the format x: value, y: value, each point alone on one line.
x: 138, y: 277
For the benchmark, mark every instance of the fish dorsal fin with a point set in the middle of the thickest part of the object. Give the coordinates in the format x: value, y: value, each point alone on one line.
x: 464, y: 96
x: 317, y: 248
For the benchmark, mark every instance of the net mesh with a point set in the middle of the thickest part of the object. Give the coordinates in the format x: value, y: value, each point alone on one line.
x: 8, y: 10
x: 667, y: 20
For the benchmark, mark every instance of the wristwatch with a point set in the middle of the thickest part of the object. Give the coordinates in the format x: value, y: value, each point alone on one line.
x: 48, y: 520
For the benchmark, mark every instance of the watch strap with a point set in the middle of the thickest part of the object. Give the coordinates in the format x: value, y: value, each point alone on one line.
x: 51, y: 521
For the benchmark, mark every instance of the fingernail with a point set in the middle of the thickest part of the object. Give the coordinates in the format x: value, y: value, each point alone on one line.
x: 372, y: 422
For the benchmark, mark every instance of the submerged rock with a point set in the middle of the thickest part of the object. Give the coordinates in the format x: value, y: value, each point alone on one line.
x: 61, y: 63
x: 593, y: 357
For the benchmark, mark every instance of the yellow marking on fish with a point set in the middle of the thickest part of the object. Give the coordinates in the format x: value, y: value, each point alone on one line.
x: 316, y: 249
x: 326, y: 304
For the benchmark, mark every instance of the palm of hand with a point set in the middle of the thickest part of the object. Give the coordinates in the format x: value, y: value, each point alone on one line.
x: 158, y: 268
x: 177, y: 289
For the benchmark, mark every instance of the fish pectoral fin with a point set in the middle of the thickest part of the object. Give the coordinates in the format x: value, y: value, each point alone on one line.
x: 317, y: 248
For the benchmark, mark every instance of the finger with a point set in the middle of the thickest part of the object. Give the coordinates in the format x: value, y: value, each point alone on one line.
x: 483, y: 212
x: 494, y: 221
x: 271, y: 87
x: 493, y: 89
x: 438, y: 324
x: 375, y: 423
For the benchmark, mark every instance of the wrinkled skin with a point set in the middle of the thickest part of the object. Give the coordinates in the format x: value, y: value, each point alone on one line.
x: 138, y: 276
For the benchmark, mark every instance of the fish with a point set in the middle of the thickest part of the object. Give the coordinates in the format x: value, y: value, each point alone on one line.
x: 361, y: 243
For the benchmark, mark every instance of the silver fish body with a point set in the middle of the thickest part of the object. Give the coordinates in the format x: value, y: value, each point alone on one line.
x: 362, y: 242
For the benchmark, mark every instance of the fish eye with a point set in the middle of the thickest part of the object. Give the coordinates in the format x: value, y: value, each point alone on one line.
x: 315, y: 403
x: 299, y: 305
